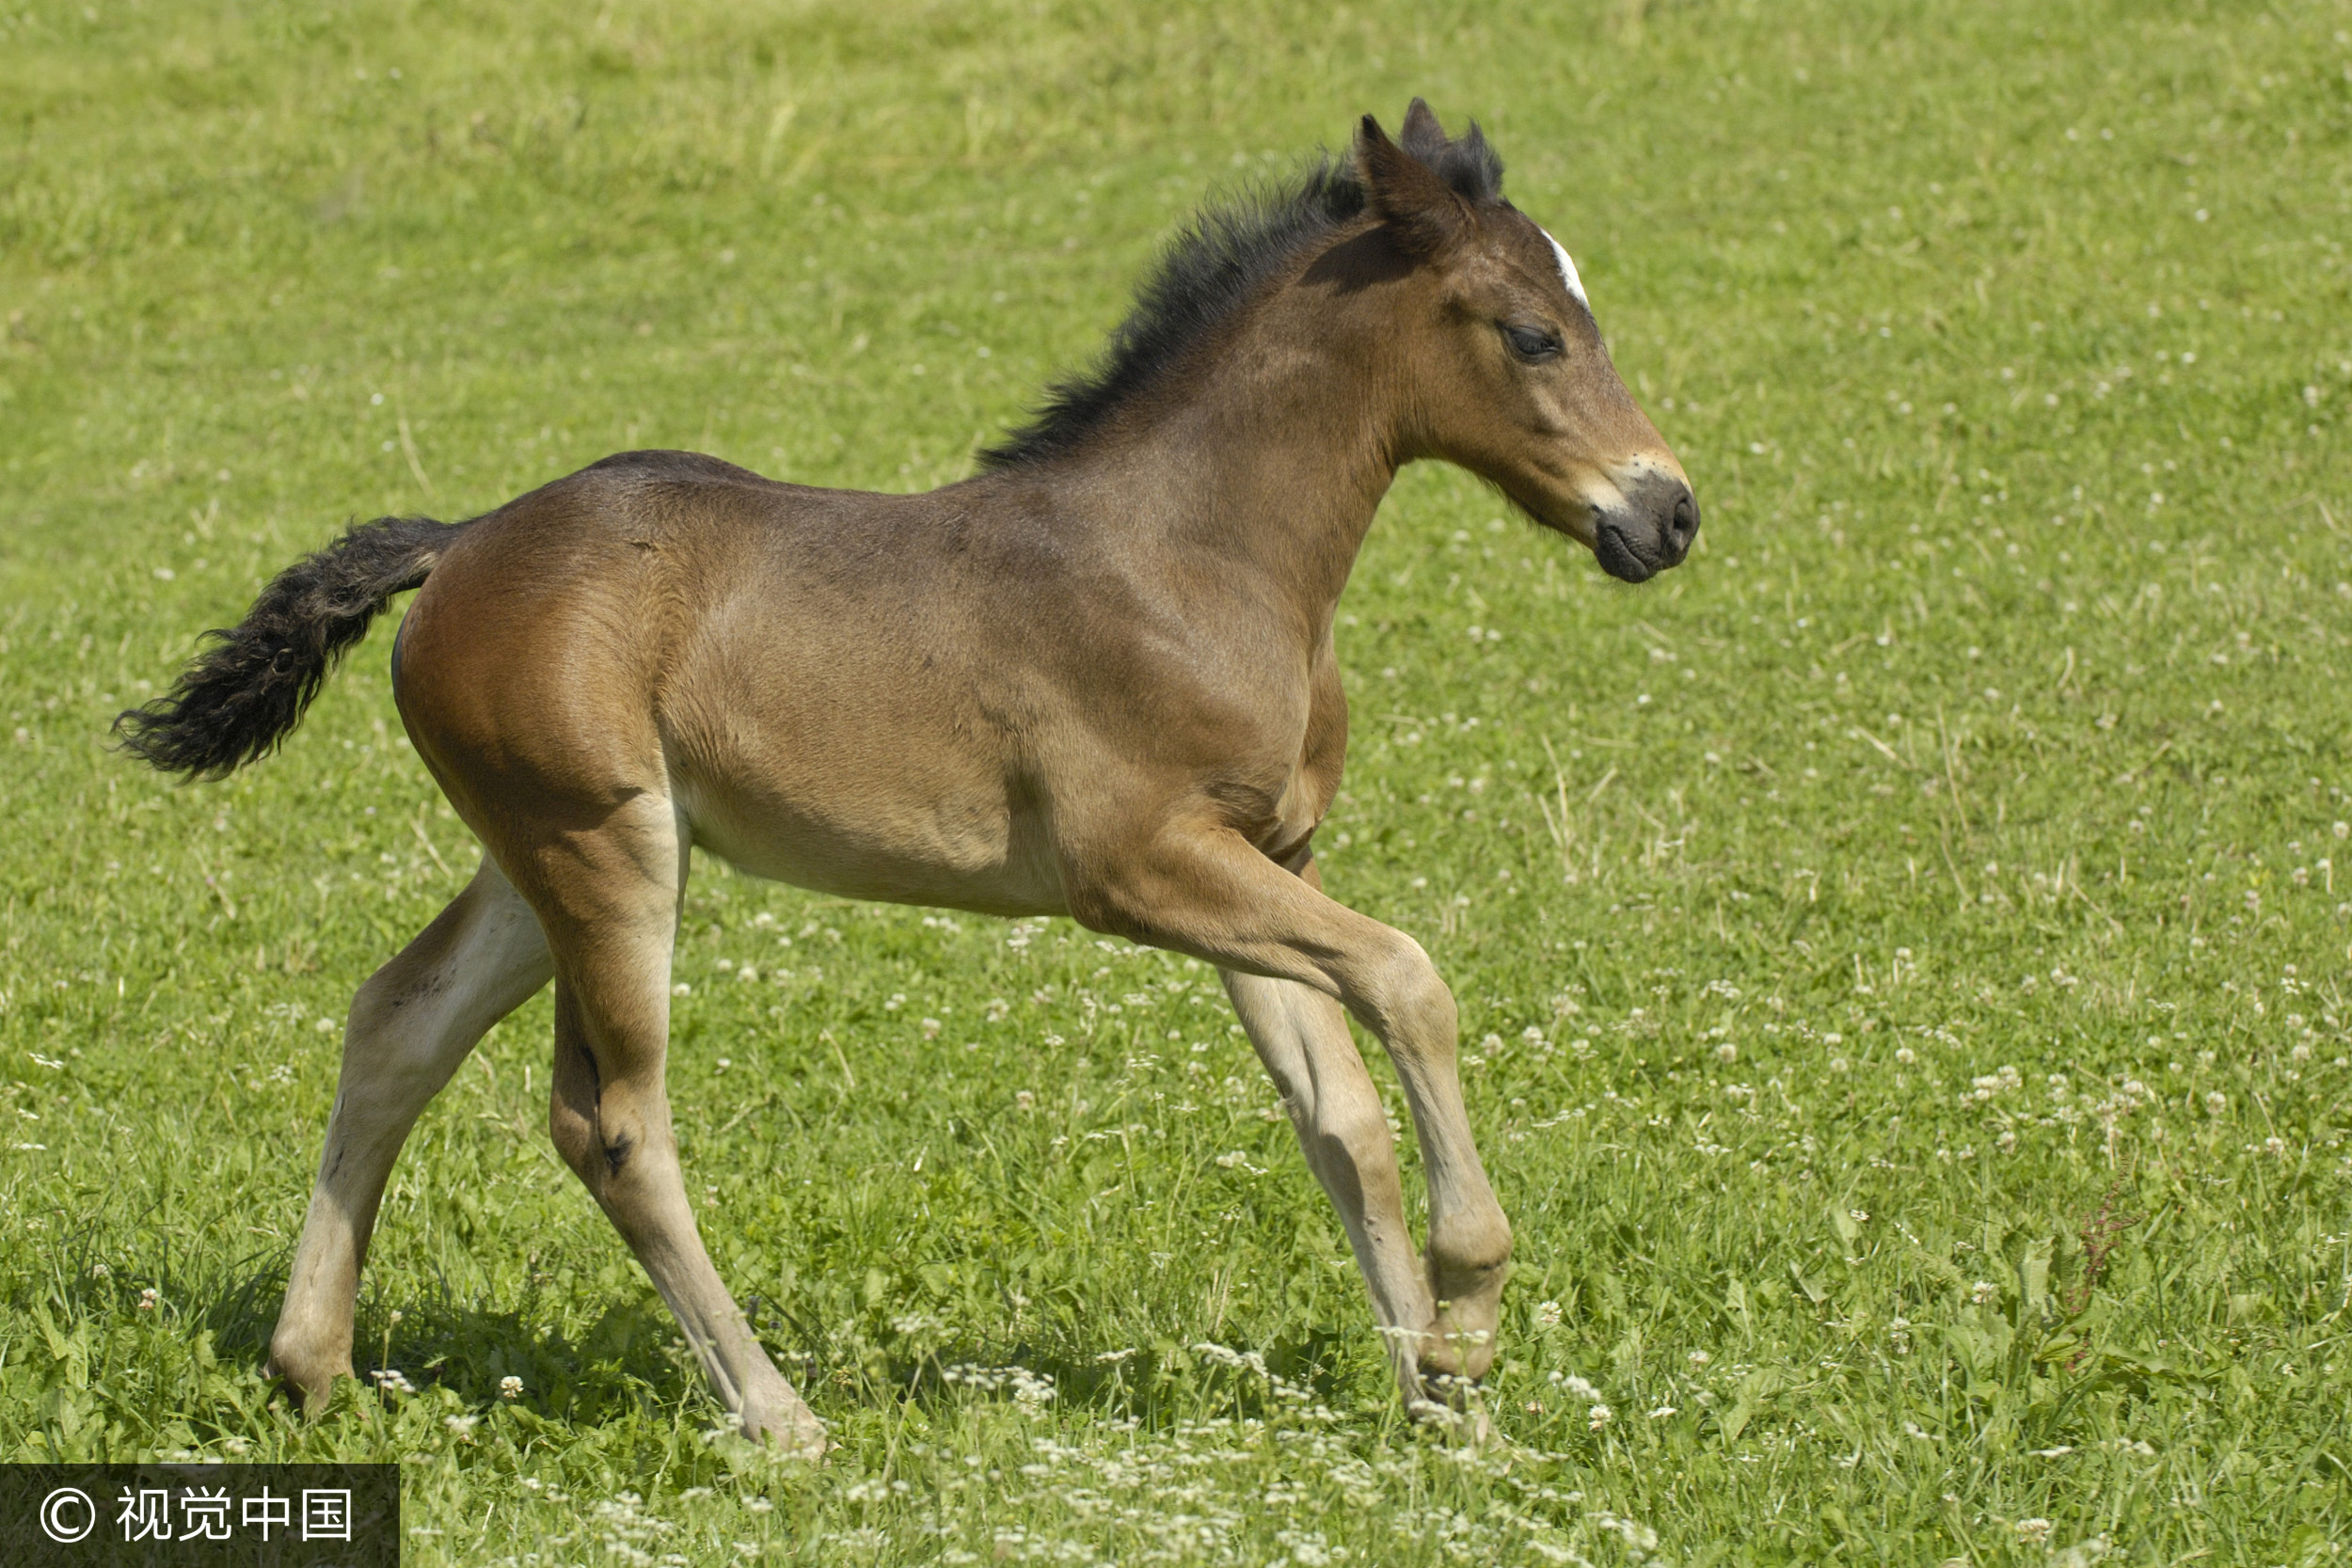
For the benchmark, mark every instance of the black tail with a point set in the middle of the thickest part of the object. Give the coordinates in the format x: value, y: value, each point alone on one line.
x: 245, y: 692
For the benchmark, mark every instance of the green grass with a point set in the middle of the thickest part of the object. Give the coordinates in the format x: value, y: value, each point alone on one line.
x: 1946, y: 850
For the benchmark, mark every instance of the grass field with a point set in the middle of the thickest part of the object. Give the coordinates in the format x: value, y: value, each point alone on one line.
x: 1900, y: 955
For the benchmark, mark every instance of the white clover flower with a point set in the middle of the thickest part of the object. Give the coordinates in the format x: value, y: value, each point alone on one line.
x: 1031, y: 1391
x: 1700, y: 1358
x: 510, y: 1388
x: 461, y: 1427
x: 1598, y: 1417
x: 2032, y: 1532
x: 1984, y: 1293
x: 1548, y: 1314
x: 147, y: 1298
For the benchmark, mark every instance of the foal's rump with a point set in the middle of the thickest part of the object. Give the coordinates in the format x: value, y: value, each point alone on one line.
x: 245, y: 692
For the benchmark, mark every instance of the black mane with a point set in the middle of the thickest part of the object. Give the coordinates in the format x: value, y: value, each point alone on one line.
x: 1226, y: 253
x: 1215, y: 263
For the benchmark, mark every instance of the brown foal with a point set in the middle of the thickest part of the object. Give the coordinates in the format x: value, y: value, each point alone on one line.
x: 1097, y: 680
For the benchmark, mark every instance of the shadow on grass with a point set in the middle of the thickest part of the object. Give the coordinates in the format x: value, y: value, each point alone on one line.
x: 629, y: 1360
x: 632, y: 1360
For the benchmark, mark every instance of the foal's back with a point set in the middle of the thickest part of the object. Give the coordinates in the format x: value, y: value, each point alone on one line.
x: 910, y: 697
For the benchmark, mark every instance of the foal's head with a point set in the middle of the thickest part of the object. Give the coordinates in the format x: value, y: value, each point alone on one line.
x: 1510, y: 376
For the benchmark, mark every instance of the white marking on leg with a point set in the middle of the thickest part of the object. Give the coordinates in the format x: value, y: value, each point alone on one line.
x: 1567, y: 273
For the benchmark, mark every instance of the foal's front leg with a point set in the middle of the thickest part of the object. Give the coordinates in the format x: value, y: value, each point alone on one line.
x: 1301, y: 1036
x: 1203, y: 890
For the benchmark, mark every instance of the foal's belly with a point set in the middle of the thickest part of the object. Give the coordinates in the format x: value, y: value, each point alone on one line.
x: 963, y: 848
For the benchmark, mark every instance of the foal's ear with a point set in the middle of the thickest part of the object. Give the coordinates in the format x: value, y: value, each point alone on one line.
x: 1425, y: 212
x: 1421, y: 135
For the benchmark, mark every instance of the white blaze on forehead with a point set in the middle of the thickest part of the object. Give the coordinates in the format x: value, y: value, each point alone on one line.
x: 1567, y: 273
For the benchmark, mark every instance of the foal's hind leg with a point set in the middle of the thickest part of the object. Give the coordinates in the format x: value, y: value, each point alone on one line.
x: 609, y: 898
x: 410, y: 1026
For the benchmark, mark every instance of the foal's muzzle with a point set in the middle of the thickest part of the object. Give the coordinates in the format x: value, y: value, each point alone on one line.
x: 1649, y: 531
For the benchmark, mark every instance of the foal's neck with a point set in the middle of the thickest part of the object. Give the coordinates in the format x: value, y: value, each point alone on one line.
x: 1274, y: 452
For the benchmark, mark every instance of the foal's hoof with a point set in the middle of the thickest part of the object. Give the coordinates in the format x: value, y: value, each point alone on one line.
x: 1469, y: 1303
x: 310, y: 1383
x: 789, y: 1433
x: 1456, y: 1404
x: 1455, y: 1346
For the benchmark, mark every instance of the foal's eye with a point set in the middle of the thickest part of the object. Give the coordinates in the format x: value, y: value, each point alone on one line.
x: 1532, y: 344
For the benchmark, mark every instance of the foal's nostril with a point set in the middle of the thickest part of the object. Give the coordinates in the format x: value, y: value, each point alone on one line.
x: 1683, y: 526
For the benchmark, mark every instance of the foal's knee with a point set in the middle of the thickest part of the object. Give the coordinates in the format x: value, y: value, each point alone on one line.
x: 1406, y: 1002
